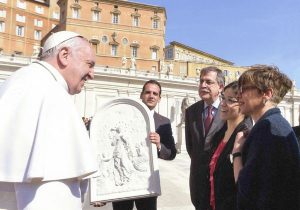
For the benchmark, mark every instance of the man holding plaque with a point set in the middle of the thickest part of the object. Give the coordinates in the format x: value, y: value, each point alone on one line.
x: 162, y: 138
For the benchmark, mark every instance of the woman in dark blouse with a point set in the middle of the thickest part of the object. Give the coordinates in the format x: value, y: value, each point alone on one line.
x: 221, y: 178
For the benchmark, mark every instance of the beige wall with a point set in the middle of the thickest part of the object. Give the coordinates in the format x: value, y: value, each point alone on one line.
x: 9, y: 42
x: 143, y: 35
x: 188, y: 62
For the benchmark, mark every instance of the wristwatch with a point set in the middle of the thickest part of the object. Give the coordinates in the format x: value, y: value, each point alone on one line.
x: 234, y: 155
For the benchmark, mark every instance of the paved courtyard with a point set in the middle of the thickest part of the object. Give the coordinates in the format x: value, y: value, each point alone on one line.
x: 174, y: 176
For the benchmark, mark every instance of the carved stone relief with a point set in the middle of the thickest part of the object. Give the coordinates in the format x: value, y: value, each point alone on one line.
x: 127, y: 160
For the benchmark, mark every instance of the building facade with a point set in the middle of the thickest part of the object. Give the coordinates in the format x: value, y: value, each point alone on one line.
x: 186, y: 61
x: 128, y: 39
x: 177, y: 92
x: 123, y: 34
x: 24, y: 23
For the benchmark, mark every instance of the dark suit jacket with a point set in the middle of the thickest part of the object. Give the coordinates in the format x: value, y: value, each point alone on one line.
x: 225, y: 187
x: 163, y: 128
x: 296, y: 129
x: 270, y: 177
x: 198, y: 147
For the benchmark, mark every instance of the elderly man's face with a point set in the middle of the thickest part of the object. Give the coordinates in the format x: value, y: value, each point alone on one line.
x: 81, y: 67
x: 209, y: 89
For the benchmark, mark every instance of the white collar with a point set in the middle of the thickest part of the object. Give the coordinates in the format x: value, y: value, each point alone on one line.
x: 152, y: 112
x: 215, y: 104
x: 55, y: 73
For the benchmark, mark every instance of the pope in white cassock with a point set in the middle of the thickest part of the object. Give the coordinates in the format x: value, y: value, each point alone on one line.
x: 45, y: 150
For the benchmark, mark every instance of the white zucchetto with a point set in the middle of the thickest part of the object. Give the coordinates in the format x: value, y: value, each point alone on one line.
x: 58, y: 38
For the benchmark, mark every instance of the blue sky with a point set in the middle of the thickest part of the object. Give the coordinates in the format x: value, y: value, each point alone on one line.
x: 245, y: 32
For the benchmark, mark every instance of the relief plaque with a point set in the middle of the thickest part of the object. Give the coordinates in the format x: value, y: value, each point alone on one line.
x: 126, y: 158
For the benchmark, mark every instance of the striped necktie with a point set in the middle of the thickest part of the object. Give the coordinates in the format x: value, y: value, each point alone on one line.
x: 208, y: 119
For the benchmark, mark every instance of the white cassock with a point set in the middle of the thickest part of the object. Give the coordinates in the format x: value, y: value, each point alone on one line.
x: 44, y: 147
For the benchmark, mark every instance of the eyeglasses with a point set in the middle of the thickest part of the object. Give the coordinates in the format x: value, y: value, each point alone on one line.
x: 229, y: 101
x: 207, y: 82
x: 243, y: 89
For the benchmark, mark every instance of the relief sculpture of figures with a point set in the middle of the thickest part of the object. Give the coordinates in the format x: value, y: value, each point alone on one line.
x: 161, y: 138
x: 124, y: 153
x: 125, y: 161
x: 121, y: 156
x: 126, y: 158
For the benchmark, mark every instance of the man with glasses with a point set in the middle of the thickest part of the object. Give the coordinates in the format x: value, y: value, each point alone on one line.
x: 202, y: 121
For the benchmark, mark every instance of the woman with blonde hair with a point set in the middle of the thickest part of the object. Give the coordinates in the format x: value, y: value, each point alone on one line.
x: 267, y: 161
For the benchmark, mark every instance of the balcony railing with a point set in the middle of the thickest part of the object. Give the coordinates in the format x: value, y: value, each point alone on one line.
x: 24, y: 60
x: 17, y: 59
x: 143, y: 73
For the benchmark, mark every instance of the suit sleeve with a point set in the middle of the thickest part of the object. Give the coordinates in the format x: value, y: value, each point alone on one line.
x: 168, y: 150
x: 188, y: 133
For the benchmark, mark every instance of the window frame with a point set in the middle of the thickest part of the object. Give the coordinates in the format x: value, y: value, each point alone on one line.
x: 20, y: 18
x: 3, y: 13
x: 20, y: 31
x: 55, y: 15
x: 154, y: 54
x: 96, y: 15
x: 136, y: 21
x: 75, y: 13
x: 37, y: 34
x: 114, y: 50
x: 2, y: 26
x: 134, y: 51
x: 155, y: 23
x: 115, y: 18
x: 39, y: 9
x: 21, y: 4
x: 38, y: 23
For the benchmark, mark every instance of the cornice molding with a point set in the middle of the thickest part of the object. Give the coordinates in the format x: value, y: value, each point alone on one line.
x: 114, y: 42
x: 134, y: 45
x: 174, y: 43
x: 94, y: 41
x: 135, y: 14
x: 155, y: 47
x: 135, y: 4
x: 155, y: 17
x: 75, y: 5
x: 115, y: 11
x: 96, y: 9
